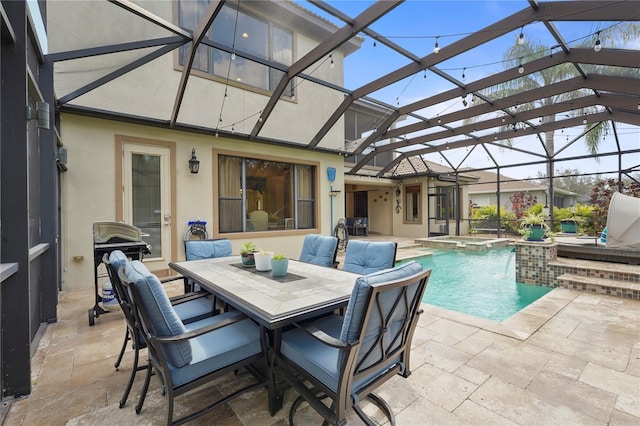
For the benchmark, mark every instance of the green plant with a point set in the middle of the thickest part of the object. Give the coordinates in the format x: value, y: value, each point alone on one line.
x: 279, y: 256
x: 531, y: 221
x: 248, y: 247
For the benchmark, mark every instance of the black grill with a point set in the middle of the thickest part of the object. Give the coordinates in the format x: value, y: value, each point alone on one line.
x: 109, y: 236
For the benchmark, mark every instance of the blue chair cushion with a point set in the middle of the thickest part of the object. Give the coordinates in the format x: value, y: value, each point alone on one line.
x: 207, y: 249
x: 366, y: 257
x: 322, y: 361
x: 359, y: 296
x: 163, y: 318
x: 319, y: 250
x: 194, y: 309
x: 318, y: 359
x: 117, y: 259
x: 217, y: 349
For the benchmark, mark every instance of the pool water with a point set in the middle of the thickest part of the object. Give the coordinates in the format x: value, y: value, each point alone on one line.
x: 478, y: 284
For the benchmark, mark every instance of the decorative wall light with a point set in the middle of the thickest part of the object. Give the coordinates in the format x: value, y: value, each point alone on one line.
x: 41, y: 113
x: 194, y: 164
x: 398, y: 207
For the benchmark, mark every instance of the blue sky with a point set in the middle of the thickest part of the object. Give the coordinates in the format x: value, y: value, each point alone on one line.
x: 414, y: 26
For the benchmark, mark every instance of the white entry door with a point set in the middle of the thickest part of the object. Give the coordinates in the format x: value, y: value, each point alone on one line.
x: 147, y: 198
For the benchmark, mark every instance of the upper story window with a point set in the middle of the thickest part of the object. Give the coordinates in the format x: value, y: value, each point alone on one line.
x: 249, y: 36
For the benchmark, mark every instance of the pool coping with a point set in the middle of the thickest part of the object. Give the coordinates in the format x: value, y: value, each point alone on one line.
x: 520, y: 325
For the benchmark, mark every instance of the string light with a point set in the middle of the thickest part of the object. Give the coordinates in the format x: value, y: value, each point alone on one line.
x: 463, y: 70
x: 374, y: 43
x: 597, y: 47
x: 226, y: 96
x: 233, y: 128
x: 233, y: 55
x: 521, y: 37
x: 464, y: 100
x: 331, y: 58
x: 425, y: 74
x: 521, y: 67
x: 436, y: 48
x: 584, y: 120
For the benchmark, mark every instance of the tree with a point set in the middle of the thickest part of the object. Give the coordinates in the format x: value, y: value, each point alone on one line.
x: 521, y: 202
x: 570, y: 180
x: 520, y: 53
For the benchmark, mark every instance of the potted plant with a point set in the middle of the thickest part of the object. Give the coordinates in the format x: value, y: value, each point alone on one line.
x: 263, y: 260
x: 569, y: 226
x: 247, y: 254
x: 279, y: 265
x: 534, y: 226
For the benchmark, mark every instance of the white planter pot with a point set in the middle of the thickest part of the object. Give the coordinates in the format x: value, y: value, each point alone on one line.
x: 263, y: 261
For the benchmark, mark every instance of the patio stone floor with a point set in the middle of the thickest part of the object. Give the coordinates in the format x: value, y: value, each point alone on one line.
x: 571, y: 358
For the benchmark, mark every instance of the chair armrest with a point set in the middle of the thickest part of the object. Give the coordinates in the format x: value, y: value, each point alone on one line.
x: 323, y: 337
x: 232, y: 319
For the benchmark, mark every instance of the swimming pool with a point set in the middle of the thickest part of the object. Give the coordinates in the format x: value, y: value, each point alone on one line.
x: 478, y: 284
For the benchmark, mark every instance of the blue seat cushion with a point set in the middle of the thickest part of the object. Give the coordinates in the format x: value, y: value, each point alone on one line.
x: 366, y: 257
x: 319, y: 250
x: 217, y: 349
x: 194, y: 309
x: 319, y: 360
x: 207, y: 249
x: 162, y: 317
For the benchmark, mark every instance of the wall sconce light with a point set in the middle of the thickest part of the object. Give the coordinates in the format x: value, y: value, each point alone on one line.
x: 398, y: 208
x: 194, y: 164
x: 41, y: 113
x: 334, y: 192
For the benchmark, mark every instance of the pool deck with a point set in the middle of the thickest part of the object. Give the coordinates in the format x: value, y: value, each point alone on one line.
x: 570, y: 358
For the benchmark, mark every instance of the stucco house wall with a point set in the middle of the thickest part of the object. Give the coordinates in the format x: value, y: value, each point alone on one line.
x: 89, y: 192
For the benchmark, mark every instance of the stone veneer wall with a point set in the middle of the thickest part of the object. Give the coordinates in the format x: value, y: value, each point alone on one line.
x: 532, y: 263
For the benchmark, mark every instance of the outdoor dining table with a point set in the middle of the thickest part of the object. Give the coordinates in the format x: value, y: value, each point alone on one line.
x: 307, y: 291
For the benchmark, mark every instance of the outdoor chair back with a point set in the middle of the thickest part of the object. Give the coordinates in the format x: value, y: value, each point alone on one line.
x: 319, y: 250
x: 204, y: 249
x: 189, y: 308
x: 347, y: 358
x: 365, y: 257
x: 184, y: 358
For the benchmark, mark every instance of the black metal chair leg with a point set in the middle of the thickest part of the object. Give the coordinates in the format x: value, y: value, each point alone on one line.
x: 134, y: 370
x: 145, y: 388
x: 124, y: 346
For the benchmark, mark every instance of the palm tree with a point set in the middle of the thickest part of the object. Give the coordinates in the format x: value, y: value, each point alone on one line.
x: 529, y: 50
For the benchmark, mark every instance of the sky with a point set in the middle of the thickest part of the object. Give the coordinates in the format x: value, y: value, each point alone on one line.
x: 417, y: 24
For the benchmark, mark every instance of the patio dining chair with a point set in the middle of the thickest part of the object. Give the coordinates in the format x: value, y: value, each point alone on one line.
x: 319, y: 250
x: 186, y: 359
x: 366, y: 257
x: 347, y: 358
x: 204, y: 249
x: 190, y: 308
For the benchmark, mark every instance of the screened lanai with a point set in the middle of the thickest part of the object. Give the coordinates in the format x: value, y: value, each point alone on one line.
x: 528, y: 85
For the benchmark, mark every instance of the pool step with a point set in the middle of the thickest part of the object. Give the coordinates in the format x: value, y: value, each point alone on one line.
x: 595, y: 269
x: 612, y: 287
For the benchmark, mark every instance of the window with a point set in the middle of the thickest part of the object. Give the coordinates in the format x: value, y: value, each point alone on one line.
x: 446, y: 202
x: 265, y: 195
x: 253, y: 37
x: 413, y: 212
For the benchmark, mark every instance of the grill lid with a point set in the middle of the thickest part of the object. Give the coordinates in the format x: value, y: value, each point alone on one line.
x: 115, y: 232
